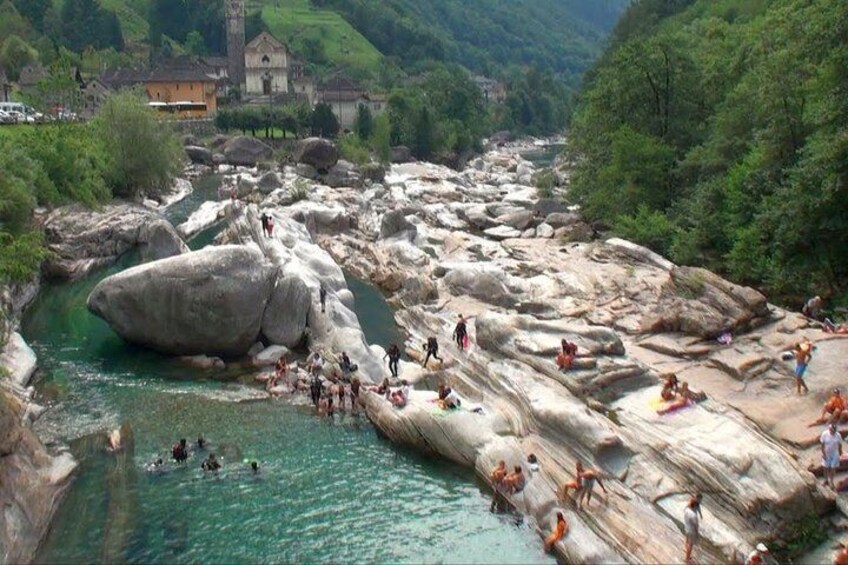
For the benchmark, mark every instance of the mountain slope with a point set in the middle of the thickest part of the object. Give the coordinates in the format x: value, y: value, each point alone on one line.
x: 564, y: 36
x: 717, y: 133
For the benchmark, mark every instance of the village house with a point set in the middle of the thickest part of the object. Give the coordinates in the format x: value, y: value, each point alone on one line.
x: 345, y: 96
x: 266, y: 63
x: 183, y: 92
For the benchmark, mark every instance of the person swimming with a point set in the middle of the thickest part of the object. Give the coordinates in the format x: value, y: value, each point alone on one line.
x: 254, y: 466
x: 211, y: 464
x: 179, y: 451
x: 201, y: 443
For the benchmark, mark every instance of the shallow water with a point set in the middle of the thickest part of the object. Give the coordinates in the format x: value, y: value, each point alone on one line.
x: 543, y: 156
x: 328, y: 490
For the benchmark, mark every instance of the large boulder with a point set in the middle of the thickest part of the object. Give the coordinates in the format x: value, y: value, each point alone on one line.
x: 82, y: 240
x: 189, y: 139
x: 343, y: 175
x: 521, y: 220
x: 287, y: 313
x: 206, y: 302
x: 317, y: 152
x: 562, y: 219
x: 375, y: 172
x: 18, y: 360
x: 269, y: 182
x: 246, y: 151
x: 199, y: 155
x: 401, y: 154
x: 395, y: 222
x: 159, y: 240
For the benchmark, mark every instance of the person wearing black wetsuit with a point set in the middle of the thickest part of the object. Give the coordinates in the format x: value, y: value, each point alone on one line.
x: 460, y: 332
x: 315, y: 389
x: 180, y: 451
x: 432, y: 347
x: 394, y: 358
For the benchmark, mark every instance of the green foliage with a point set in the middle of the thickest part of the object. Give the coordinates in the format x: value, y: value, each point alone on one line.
x: 141, y: 154
x: 86, y: 24
x: 16, y: 199
x: 647, y: 227
x: 33, y: 10
x: 545, y: 182
x: 484, y: 35
x: 195, y: 44
x: 199, y: 24
x: 536, y: 104
x: 363, y: 125
x: 353, y: 149
x: 323, y: 121
x: 299, y: 190
x: 15, y: 54
x: 728, y: 120
x: 21, y: 255
x: 381, y: 142
x: 293, y: 118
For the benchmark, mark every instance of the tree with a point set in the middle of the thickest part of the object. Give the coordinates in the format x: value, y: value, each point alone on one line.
x: 195, y: 44
x: 363, y: 125
x: 86, y: 24
x: 142, y: 154
x: 34, y: 11
x: 15, y: 54
x: 381, y: 138
x: 422, y: 146
x: 324, y: 122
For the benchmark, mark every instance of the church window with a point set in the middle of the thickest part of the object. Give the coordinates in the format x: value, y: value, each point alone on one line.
x: 266, y: 59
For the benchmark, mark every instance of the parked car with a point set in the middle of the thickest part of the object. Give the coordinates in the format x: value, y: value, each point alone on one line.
x: 21, y: 118
x: 5, y: 118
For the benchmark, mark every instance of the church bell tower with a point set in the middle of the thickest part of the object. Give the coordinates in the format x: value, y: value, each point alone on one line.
x: 235, y: 42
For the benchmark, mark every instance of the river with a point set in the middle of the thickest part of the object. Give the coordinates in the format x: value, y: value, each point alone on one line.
x: 327, y: 490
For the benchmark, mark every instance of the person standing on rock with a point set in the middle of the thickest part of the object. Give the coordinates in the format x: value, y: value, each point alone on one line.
x: 432, y: 348
x: 691, y: 525
x: 803, y: 353
x: 589, y: 477
x: 322, y: 297
x: 498, y: 475
x: 394, y: 357
x: 460, y: 333
x: 831, y: 448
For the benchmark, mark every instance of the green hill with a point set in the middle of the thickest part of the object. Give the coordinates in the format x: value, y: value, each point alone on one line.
x: 714, y: 131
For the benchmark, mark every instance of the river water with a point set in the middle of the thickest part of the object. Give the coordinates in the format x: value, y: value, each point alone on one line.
x: 327, y: 490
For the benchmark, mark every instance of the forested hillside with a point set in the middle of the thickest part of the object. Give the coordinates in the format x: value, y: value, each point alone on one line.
x: 564, y: 36
x: 717, y: 132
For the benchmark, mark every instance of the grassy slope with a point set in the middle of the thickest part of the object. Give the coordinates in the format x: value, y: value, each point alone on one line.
x: 294, y: 21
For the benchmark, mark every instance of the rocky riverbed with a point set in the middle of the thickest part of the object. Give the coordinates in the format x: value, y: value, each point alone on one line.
x: 527, y: 272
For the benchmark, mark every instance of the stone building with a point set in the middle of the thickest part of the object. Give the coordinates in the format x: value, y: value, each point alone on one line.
x: 235, y: 42
x: 266, y: 63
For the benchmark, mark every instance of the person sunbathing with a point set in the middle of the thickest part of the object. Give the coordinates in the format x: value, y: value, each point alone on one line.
x: 400, y: 397
x: 684, y: 397
x: 566, y: 357
x: 670, y: 387
x: 834, y: 410
x: 559, y: 532
x: 516, y: 481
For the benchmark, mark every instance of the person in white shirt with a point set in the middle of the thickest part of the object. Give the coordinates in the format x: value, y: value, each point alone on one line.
x: 760, y: 556
x: 831, y: 448
x: 692, y: 525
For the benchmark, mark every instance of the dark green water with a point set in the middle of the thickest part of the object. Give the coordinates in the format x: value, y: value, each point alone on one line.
x: 329, y: 490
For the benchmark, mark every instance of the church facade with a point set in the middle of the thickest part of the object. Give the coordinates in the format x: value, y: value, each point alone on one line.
x: 266, y: 66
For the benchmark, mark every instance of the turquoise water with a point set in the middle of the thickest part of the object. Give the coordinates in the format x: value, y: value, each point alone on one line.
x: 328, y: 490
x: 543, y: 156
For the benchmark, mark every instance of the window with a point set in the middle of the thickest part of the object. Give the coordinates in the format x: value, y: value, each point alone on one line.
x: 266, y: 59
x: 191, y: 86
x: 178, y: 86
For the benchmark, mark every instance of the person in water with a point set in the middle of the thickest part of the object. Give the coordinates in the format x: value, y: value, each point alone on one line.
x: 498, y: 475
x: 460, y: 333
x: 340, y: 390
x: 322, y: 297
x: 201, y: 443
x: 254, y: 467
x: 559, y: 532
x: 355, y: 386
x: 180, y: 451
x: 432, y: 348
x: 393, y: 353
x: 331, y: 410
x: 211, y: 464
x: 315, y: 387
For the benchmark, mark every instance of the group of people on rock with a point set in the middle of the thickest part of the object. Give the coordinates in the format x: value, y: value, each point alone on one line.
x: 506, y: 484
x: 677, y: 395
x: 267, y: 221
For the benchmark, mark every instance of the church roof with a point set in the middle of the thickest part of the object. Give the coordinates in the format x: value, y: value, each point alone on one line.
x: 265, y: 37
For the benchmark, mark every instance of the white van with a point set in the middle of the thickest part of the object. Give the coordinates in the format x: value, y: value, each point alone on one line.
x: 23, y: 109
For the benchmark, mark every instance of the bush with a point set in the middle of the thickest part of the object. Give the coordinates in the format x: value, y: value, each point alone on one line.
x: 649, y: 228
x: 545, y: 182
x: 354, y: 150
x: 21, y: 256
x: 142, y: 155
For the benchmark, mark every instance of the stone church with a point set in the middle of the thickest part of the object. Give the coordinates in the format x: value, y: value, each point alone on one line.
x: 266, y: 62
